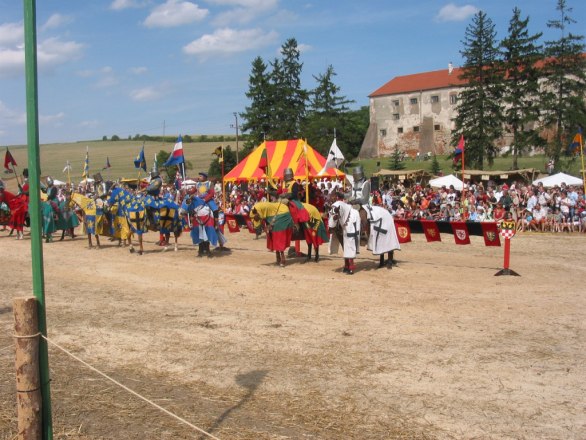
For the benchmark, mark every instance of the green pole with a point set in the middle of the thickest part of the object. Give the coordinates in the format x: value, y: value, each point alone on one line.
x: 32, y: 122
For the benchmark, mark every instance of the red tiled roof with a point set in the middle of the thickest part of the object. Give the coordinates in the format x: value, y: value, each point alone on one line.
x: 416, y: 82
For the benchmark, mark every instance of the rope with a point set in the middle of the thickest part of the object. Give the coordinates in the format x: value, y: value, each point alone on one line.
x: 26, y: 336
x: 130, y: 391
x: 6, y: 348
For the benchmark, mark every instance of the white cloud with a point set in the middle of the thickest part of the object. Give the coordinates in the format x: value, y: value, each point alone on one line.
x: 11, y: 62
x: 175, y: 13
x: 93, y: 123
x: 53, y: 52
x: 244, y: 11
x: 139, y: 70
x: 56, y: 20
x: 107, y: 78
x: 52, y: 119
x: 150, y: 93
x: 226, y: 41
x: 451, y: 12
x: 118, y: 5
x: 11, y: 34
x: 303, y: 48
x: 11, y: 116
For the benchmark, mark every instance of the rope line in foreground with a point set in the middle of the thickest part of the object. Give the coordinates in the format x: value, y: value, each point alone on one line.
x: 191, y: 425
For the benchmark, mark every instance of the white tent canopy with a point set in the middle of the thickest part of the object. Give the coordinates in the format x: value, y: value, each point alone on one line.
x: 447, y: 181
x: 58, y: 182
x: 557, y: 180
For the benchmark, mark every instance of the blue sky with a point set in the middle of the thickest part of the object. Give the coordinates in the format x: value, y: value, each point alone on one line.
x: 129, y: 67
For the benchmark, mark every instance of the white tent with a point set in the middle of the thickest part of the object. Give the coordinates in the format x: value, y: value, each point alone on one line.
x: 447, y: 181
x: 58, y: 182
x: 557, y: 180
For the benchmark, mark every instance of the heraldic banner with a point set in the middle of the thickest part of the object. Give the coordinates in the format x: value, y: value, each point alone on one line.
x: 490, y: 234
x: 403, y: 231
x: 460, y: 230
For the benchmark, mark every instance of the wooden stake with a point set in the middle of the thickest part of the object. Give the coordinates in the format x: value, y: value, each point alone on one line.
x: 28, y: 383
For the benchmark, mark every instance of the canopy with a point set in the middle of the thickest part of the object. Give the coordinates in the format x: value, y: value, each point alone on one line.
x: 58, y: 183
x: 557, y: 180
x: 280, y: 155
x: 447, y: 181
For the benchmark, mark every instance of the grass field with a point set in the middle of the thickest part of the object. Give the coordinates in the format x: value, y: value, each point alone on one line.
x: 122, y: 154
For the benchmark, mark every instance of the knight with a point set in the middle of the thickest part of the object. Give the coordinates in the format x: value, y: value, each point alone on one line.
x: 205, y: 190
x: 360, y: 191
x: 290, y: 188
x: 156, y: 184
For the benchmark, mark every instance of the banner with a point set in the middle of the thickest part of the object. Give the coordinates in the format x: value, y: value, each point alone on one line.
x: 461, y: 235
x: 403, y: 231
x: 490, y: 233
x: 232, y: 223
x: 430, y: 230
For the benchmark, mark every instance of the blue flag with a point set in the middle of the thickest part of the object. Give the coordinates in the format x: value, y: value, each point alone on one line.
x: 140, y: 161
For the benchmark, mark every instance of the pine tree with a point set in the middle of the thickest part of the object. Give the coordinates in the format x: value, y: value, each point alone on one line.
x: 289, y: 97
x: 565, y: 84
x: 397, y: 159
x: 435, y: 166
x: 257, y: 117
x: 326, y: 108
x: 521, y: 87
x: 480, y: 115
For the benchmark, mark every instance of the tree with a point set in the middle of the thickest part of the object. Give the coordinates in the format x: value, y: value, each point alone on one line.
x: 288, y: 97
x: 565, y: 83
x: 480, y: 115
x: 435, y: 167
x: 115, y: 137
x: 257, y: 116
x: 396, y: 162
x: 521, y: 87
x: 326, y: 108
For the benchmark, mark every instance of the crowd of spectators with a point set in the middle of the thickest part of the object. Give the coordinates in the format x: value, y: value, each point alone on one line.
x: 533, y: 207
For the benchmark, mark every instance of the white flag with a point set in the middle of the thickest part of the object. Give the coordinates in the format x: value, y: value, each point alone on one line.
x: 334, y: 158
x: 67, y: 167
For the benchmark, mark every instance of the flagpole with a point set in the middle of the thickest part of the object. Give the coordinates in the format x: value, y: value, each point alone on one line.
x: 68, y: 174
x: 582, y: 158
x: 463, y: 182
x: 306, y: 172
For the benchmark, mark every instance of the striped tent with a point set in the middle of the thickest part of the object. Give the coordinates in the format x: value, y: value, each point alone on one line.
x: 271, y: 158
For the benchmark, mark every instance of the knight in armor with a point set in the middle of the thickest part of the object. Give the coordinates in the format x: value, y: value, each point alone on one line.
x: 50, y: 210
x: 290, y: 189
x: 360, y: 191
x: 156, y: 183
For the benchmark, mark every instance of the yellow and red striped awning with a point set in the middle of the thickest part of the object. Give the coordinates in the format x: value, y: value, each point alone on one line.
x: 272, y: 158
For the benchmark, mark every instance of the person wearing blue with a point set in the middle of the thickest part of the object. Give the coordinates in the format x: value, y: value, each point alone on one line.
x: 205, y: 191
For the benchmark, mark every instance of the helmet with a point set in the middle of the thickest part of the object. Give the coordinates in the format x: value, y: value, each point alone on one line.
x: 358, y: 173
x: 288, y: 174
x: 155, y: 171
x: 50, y: 181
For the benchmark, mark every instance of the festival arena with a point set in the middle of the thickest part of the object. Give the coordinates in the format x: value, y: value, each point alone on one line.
x: 434, y: 348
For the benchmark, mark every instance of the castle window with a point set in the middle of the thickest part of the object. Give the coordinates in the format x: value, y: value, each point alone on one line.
x: 400, y: 130
x: 453, y: 99
x: 413, y: 100
x: 434, y: 99
x: 396, y: 103
x: 396, y: 116
x: 383, y: 132
x: 416, y: 129
x: 436, y: 127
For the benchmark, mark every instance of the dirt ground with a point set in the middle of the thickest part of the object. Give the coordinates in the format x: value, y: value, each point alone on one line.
x: 436, y: 348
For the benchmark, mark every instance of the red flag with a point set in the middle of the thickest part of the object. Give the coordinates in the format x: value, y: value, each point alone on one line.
x: 490, y: 233
x: 430, y: 230
x: 459, y: 151
x: 9, y: 160
x: 460, y: 230
x: 232, y: 223
x: 263, y: 163
x: 250, y: 226
x: 403, y: 230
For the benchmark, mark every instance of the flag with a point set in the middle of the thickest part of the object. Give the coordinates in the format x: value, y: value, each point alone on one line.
x: 67, y: 168
x: 490, y: 233
x: 577, y: 143
x: 403, y: 230
x: 9, y: 160
x: 107, y: 164
x: 219, y: 152
x: 263, y: 163
x: 140, y: 161
x: 176, y: 156
x: 459, y: 151
x: 86, y: 165
x: 334, y: 159
x: 232, y: 223
x: 431, y: 230
x: 461, y: 235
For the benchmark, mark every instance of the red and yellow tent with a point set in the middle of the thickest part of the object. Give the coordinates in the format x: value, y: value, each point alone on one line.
x: 271, y: 158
